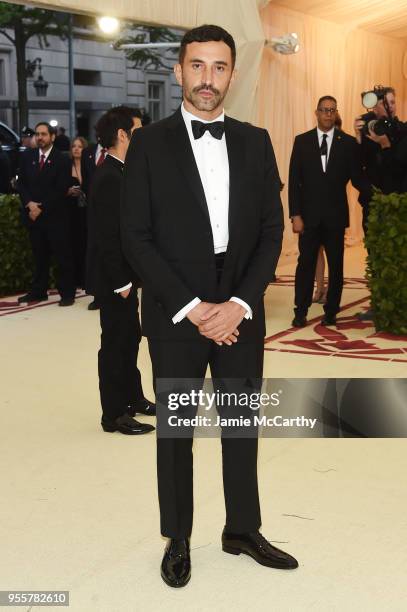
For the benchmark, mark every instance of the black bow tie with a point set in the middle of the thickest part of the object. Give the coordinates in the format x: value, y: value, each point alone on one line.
x: 216, y: 129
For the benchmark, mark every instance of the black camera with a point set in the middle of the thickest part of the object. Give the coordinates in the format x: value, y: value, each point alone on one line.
x: 389, y: 126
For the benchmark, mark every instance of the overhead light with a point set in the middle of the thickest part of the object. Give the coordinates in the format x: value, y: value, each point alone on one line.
x: 53, y: 123
x: 109, y: 25
x: 287, y: 45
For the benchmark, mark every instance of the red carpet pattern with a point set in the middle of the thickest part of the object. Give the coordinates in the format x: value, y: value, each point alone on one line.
x: 9, y: 305
x: 350, y: 338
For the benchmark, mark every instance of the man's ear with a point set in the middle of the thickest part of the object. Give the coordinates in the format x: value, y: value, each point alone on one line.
x: 178, y: 73
x: 233, y: 77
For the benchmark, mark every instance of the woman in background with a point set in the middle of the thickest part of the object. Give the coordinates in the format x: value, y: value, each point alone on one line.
x: 77, y: 201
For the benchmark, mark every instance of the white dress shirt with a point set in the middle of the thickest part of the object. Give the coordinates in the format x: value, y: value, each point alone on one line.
x: 46, y: 154
x: 212, y: 160
x: 330, y: 137
x: 98, y: 153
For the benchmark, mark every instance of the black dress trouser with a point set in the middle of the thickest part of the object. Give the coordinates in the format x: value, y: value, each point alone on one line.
x: 52, y: 238
x: 119, y: 377
x: 309, y: 242
x: 180, y: 360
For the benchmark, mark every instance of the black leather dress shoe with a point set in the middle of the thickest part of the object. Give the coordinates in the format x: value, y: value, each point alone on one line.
x: 368, y: 315
x: 127, y: 425
x: 176, y: 563
x: 28, y: 298
x: 299, y: 321
x: 66, y: 302
x: 255, y: 545
x: 143, y: 406
x: 328, y: 320
x: 94, y: 305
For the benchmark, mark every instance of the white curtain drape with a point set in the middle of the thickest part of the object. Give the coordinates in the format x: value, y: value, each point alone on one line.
x: 334, y: 59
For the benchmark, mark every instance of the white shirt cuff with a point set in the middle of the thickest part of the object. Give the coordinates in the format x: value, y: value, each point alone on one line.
x: 128, y: 286
x: 181, y: 314
x: 249, y: 312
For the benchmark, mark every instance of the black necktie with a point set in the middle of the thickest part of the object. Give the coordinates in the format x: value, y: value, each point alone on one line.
x: 324, y: 147
x: 216, y: 129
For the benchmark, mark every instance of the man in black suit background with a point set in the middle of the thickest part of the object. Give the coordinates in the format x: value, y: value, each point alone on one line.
x: 42, y: 184
x: 113, y: 281
x: 62, y: 142
x: 322, y: 162
x: 202, y: 225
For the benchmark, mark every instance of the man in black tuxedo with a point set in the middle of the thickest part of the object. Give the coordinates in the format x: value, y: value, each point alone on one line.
x: 113, y: 281
x: 202, y: 225
x: 92, y: 157
x: 323, y: 160
x: 42, y: 184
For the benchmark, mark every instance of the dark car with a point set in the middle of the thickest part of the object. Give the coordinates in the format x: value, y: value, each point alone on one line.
x: 10, y: 144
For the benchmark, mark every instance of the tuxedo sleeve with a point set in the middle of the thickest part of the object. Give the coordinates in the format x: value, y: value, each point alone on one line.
x: 137, y: 232
x: 264, y: 260
x: 106, y: 222
x: 294, y: 182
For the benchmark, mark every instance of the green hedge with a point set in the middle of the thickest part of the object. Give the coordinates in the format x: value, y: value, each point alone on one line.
x: 386, y: 241
x: 16, y: 266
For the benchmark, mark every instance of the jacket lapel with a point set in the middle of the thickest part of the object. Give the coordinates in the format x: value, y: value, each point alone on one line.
x: 236, y: 150
x: 336, y: 141
x: 181, y: 146
x: 316, y: 150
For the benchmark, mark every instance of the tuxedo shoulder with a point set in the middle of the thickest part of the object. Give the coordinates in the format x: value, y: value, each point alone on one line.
x: 306, y: 135
x: 105, y: 175
x: 346, y: 137
x: 245, y: 126
x: 30, y: 154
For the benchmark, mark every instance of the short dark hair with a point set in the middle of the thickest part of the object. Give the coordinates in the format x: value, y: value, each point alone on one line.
x: 49, y: 127
x: 115, y: 119
x: 326, y: 98
x: 383, y: 91
x: 207, y: 33
x: 62, y: 130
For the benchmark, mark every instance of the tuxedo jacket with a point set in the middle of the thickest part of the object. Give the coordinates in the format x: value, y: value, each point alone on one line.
x: 48, y: 186
x: 88, y: 167
x: 166, y: 231
x: 320, y: 197
x: 106, y: 268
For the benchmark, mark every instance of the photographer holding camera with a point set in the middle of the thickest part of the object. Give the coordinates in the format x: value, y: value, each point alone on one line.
x: 381, y: 137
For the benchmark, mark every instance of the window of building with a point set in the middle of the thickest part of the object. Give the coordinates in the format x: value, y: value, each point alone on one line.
x: 86, y: 77
x: 156, y: 94
x: 2, y: 78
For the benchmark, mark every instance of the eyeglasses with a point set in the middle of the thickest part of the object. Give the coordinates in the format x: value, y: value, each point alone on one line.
x: 327, y: 111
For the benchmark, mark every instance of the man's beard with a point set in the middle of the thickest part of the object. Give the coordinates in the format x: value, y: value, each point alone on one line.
x: 201, y: 104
